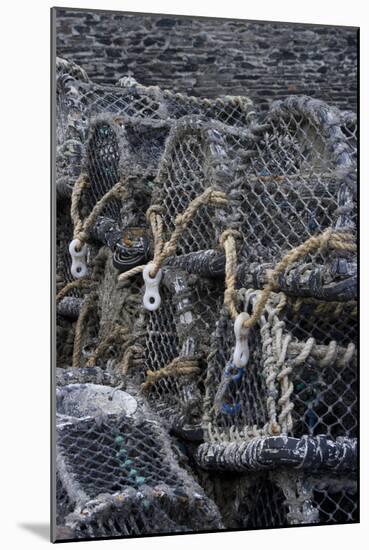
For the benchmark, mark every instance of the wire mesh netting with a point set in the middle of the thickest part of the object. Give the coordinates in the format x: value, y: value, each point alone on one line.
x: 147, y: 112
x: 113, y: 456
x: 178, y: 329
x: 160, y: 428
x: 301, y: 378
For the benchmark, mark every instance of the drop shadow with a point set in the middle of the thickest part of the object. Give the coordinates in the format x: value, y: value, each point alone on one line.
x: 42, y: 530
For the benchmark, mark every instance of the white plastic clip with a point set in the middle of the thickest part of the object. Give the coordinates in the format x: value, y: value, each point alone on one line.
x: 79, y: 266
x: 151, y: 299
x: 241, y: 351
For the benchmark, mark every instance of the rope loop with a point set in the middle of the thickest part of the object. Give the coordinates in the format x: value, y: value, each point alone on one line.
x: 82, y: 228
x: 229, y: 233
x: 80, y: 283
x: 162, y: 250
x: 154, y: 209
x: 327, y: 240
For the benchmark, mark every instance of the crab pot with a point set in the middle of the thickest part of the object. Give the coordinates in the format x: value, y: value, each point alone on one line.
x: 142, y: 109
x: 194, y: 159
x: 246, y: 501
x: 133, y: 100
x: 265, y: 505
x: 179, y: 328
x: 282, y: 497
x: 68, y: 311
x: 336, y: 499
x: 71, y: 127
x: 325, y: 386
x: 309, y: 499
x: 235, y: 400
x: 116, y: 470
x: 297, y: 179
x: 300, y: 382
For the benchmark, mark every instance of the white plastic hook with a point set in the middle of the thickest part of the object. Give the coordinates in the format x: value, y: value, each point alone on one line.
x: 151, y: 299
x: 78, y: 254
x: 241, y: 351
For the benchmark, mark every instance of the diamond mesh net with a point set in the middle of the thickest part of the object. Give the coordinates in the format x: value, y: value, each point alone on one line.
x: 297, y: 179
x: 178, y: 329
x: 106, y: 458
x: 158, y: 431
x: 319, y: 396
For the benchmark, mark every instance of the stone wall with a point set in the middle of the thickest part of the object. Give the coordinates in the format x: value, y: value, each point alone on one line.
x: 208, y: 57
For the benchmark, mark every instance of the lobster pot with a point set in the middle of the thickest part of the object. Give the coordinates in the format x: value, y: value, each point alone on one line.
x: 283, y: 496
x: 101, y: 162
x: 68, y: 311
x: 116, y: 472
x: 323, y: 498
x: 107, y: 328
x: 121, y: 223
x: 265, y: 505
x: 247, y: 501
x: 79, y: 100
x: 194, y: 159
x: 349, y: 191
x: 348, y: 123
x: 335, y: 498
x: 177, y: 331
x: 131, y: 99
x: 291, y: 416
x: 323, y: 360
x: 297, y: 178
x: 71, y: 126
x: 235, y: 404
x: 128, y: 147
x: 301, y: 377
x: 101, y: 166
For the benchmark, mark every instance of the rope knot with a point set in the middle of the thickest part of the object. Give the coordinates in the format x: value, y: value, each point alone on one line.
x: 153, y: 209
x: 229, y: 233
x: 82, y: 237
